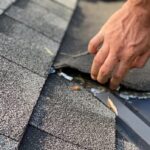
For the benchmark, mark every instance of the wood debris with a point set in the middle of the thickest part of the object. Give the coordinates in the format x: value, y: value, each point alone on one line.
x: 50, y: 52
x: 75, y: 88
x: 112, y: 106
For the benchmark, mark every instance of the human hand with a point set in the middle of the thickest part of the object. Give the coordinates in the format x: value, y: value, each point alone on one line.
x: 123, y: 43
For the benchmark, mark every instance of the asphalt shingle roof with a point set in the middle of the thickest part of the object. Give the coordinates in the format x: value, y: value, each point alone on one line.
x: 25, y: 46
x: 19, y: 91
x: 26, y: 56
x: 55, y: 8
x: 30, y: 35
x: 123, y: 144
x: 69, y: 3
x: 5, y: 4
x: 40, y: 140
x: 74, y: 116
x: 44, y: 21
x: 7, y: 143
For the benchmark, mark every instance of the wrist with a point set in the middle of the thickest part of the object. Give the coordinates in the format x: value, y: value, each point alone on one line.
x: 140, y: 9
x: 139, y: 5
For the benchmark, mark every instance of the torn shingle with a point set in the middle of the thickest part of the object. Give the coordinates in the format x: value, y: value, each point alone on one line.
x: 19, y: 91
x: 34, y: 139
x: 75, y: 116
x: 40, y: 19
x: 74, y: 44
x: 85, y: 23
x: 26, y: 47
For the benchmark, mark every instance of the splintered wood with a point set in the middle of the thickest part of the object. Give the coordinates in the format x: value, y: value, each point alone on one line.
x: 75, y: 88
x: 112, y: 106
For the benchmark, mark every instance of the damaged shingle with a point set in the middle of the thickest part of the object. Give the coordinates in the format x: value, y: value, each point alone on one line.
x: 75, y: 116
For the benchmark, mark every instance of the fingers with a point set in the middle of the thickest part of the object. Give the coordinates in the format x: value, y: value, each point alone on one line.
x: 95, y: 43
x: 99, y: 60
x: 140, y: 61
x: 120, y: 71
x: 118, y: 75
x: 107, y: 68
x: 123, y: 68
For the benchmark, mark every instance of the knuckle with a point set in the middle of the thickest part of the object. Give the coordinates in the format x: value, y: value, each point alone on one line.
x: 128, y: 56
x: 97, y: 61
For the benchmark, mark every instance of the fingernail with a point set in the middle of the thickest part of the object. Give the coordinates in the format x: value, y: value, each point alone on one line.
x: 105, y: 80
x: 93, y: 77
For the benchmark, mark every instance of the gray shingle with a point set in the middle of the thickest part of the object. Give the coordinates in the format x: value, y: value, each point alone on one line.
x: 123, y: 144
x: 138, y: 79
x: 69, y: 3
x: 75, y: 116
x: 19, y: 91
x: 55, y: 8
x: 39, y: 18
x: 35, y: 139
x: 1, y: 11
x: 7, y: 144
x: 25, y: 46
x: 5, y: 3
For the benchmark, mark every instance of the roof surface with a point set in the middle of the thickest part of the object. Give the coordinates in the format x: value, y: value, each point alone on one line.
x: 75, y: 117
x: 28, y: 45
x: 40, y: 113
